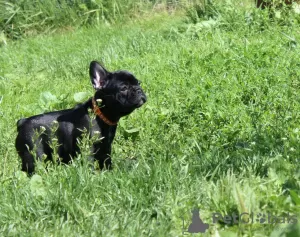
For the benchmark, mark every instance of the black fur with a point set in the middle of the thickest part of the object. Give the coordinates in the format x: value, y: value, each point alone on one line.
x: 120, y: 93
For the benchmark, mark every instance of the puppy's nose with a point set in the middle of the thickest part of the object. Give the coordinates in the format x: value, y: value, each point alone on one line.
x: 142, y: 95
x: 144, y: 98
x: 142, y: 101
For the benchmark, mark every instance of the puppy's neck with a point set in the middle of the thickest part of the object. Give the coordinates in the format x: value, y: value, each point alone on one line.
x: 104, y: 113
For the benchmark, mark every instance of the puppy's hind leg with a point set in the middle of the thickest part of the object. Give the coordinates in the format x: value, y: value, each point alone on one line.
x: 29, y: 151
x: 24, y: 148
x: 29, y: 158
x: 27, y: 162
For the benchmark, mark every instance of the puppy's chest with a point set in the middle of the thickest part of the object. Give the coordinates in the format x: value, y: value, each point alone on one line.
x: 106, y: 134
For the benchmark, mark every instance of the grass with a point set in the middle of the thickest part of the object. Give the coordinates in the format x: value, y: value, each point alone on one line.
x: 220, y: 131
x: 19, y: 19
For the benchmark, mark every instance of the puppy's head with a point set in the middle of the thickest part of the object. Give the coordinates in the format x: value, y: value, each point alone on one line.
x: 118, y: 90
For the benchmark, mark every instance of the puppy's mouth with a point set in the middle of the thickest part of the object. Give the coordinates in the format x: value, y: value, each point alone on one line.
x: 141, y: 102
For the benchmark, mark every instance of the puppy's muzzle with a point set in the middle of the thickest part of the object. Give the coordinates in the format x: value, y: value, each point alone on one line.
x: 143, y: 99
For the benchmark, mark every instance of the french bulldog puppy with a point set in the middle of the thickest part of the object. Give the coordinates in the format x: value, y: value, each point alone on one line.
x: 119, y: 94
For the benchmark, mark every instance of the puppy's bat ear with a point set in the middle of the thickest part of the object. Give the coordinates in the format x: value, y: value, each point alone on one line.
x: 98, y: 75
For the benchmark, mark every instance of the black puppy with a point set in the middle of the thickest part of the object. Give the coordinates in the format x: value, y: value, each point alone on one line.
x: 119, y: 94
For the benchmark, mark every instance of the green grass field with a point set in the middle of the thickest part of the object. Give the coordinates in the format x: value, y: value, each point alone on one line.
x: 220, y: 130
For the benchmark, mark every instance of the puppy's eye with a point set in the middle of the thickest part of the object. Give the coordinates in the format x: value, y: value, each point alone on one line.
x: 124, y: 88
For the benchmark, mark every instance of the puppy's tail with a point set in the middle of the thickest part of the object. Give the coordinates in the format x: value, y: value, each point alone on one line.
x: 20, y: 123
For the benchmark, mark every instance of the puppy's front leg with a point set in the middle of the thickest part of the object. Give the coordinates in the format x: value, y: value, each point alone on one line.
x: 102, y: 155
